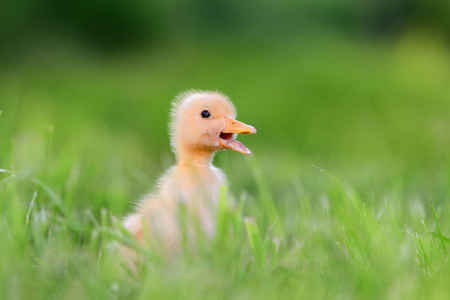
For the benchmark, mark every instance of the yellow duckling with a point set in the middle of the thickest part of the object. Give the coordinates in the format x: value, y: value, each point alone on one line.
x: 202, y: 123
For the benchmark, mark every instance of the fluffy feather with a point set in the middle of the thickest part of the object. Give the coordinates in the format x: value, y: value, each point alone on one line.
x: 193, y: 183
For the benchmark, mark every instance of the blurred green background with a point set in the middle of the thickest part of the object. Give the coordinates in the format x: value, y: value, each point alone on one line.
x: 358, y: 88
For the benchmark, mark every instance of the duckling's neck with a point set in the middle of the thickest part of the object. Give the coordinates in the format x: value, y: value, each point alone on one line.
x: 195, y: 158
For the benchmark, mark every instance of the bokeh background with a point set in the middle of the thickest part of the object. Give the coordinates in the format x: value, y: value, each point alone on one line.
x: 360, y: 89
x: 356, y: 89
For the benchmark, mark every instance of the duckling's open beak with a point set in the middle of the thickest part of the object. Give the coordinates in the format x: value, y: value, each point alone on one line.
x: 227, y: 135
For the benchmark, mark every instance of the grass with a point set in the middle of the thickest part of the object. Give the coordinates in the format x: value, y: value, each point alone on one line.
x: 345, y: 196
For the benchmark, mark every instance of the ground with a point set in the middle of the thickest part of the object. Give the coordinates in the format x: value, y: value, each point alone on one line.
x: 345, y: 195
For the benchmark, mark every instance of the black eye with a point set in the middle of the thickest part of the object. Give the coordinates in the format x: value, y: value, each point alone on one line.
x: 205, y: 114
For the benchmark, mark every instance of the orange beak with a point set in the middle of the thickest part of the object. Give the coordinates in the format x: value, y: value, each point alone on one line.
x: 227, y: 140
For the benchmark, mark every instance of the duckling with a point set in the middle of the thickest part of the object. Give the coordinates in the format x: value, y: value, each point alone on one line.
x: 202, y: 123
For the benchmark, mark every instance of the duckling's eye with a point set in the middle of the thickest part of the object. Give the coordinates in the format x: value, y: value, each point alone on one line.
x: 205, y: 114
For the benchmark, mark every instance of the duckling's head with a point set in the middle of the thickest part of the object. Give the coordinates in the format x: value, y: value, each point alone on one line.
x: 203, y: 122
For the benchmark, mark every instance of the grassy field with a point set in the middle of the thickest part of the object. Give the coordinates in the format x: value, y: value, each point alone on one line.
x: 345, y: 196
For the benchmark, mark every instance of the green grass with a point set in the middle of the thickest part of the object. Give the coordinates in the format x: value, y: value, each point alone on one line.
x: 345, y: 196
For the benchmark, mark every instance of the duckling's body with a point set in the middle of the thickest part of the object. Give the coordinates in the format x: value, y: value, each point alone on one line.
x: 202, y: 124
